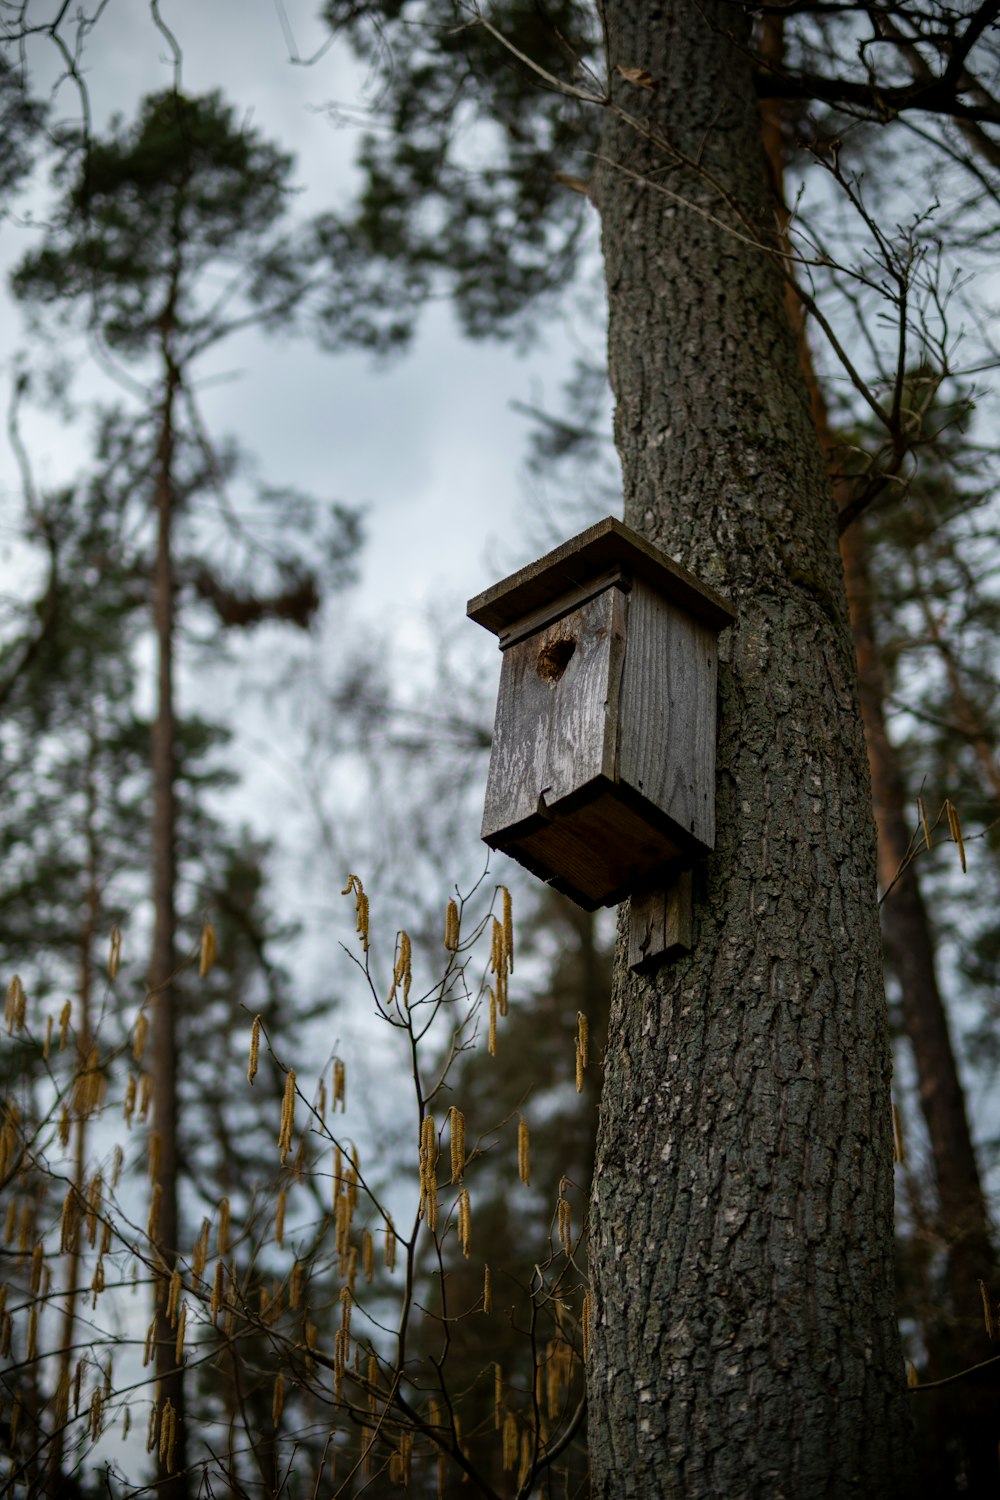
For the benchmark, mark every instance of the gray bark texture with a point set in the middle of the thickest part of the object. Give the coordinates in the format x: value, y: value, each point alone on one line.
x: 745, y: 1342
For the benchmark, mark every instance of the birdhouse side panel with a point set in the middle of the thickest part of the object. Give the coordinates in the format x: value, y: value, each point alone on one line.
x: 554, y: 729
x: 666, y: 745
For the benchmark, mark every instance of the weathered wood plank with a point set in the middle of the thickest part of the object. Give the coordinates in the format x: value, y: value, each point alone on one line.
x: 605, y: 545
x: 667, y: 712
x: 661, y: 924
x: 553, y: 715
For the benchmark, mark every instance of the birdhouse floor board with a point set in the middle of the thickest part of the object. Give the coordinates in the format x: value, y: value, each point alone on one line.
x: 596, y: 849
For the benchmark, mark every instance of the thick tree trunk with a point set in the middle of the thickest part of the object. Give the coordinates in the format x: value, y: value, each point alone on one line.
x: 163, y: 1050
x: 745, y: 1338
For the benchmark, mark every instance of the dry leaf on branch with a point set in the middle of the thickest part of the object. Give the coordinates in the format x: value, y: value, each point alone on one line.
x: 641, y: 78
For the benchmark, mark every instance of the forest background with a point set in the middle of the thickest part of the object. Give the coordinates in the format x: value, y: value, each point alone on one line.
x: 358, y: 749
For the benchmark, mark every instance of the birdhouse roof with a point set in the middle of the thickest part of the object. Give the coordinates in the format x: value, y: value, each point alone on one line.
x: 608, y: 545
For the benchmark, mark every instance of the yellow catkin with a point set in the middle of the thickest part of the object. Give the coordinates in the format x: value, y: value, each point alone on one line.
x: 465, y: 1222
x: 368, y: 1256
x: 352, y: 1267
x: 145, y: 1094
x: 65, y: 1016
x: 263, y: 1303
x: 456, y: 1124
x: 173, y: 1296
x: 141, y: 1036
x: 372, y: 1384
x: 216, y: 1302
x: 510, y: 1442
x: 498, y: 1397
x: 402, y: 974
x: 353, y: 1178
x: 32, y: 1339
x: 65, y: 1125
x: 339, y: 1085
x: 295, y: 1283
x: 451, y: 928
x: 523, y: 1151
x: 15, y: 1010
x: 390, y: 1243
x: 96, y: 1405
x: 181, y: 1327
x: 130, y: 1100
x: 899, y: 1149
x: 428, y: 1172
x: 222, y: 1236
x: 199, y: 1256
x: 279, y: 1221
x: 278, y: 1400
x: 5, y: 1333
x: 168, y: 1435
x: 526, y: 1458
x: 508, y: 928
x: 956, y: 832
x: 47, y: 1043
x: 487, y: 1290
x: 153, y: 1222
x: 355, y: 888
x: 586, y: 1319
x: 345, y: 1311
x: 69, y: 1223
x: 117, y: 1162
x: 912, y: 1378
x: 287, y: 1116
x: 491, y: 1041
x: 500, y: 965
x: 114, y: 952
x: 254, y: 1050
x: 207, y: 950
x: 565, y: 1226
x: 97, y: 1281
x: 106, y: 1237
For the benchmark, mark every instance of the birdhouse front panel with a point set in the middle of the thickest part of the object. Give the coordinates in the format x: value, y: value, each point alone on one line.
x: 603, y: 764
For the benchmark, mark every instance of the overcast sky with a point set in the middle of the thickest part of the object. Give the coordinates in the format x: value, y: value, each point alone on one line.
x: 428, y: 445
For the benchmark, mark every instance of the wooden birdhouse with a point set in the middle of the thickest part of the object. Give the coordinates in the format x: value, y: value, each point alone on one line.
x: 602, y: 776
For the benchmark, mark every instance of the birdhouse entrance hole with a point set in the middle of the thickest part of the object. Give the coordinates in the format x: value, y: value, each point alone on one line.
x: 554, y: 658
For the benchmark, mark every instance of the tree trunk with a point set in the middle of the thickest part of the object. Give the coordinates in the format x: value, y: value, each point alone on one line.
x: 960, y: 1340
x: 745, y: 1341
x: 163, y: 1049
x: 68, y: 1354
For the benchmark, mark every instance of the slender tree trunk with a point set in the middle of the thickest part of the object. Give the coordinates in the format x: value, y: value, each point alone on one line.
x: 84, y: 1041
x: 164, y: 998
x: 745, y: 1341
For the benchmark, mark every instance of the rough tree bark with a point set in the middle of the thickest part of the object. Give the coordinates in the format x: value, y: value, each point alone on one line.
x: 741, y: 1254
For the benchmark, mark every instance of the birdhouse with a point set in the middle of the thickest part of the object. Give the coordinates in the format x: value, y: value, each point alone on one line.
x: 602, y: 775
